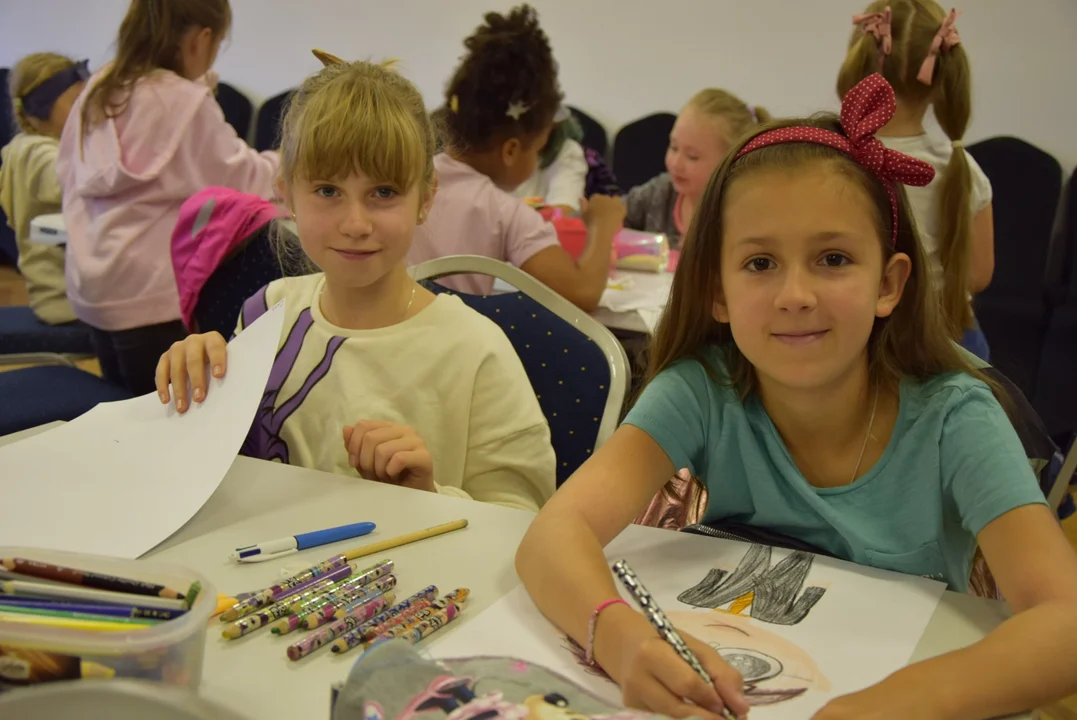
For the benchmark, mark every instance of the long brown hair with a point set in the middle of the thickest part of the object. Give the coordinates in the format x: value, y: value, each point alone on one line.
x: 149, y: 40
x: 913, y: 26
x: 913, y: 341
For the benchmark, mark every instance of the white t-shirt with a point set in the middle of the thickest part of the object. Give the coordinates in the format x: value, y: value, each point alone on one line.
x: 925, y: 200
x: 563, y: 182
x: 447, y: 371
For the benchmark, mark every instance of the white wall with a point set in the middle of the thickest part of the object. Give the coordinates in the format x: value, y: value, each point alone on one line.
x: 619, y: 58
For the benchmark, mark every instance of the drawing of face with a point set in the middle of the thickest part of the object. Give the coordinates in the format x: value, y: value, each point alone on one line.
x: 774, y: 669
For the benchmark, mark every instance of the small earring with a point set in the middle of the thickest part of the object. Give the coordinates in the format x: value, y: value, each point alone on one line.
x: 293, y: 216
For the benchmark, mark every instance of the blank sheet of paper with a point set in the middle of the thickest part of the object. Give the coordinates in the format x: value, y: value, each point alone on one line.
x: 126, y: 475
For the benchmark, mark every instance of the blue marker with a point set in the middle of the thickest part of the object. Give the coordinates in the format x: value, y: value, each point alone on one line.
x: 273, y: 549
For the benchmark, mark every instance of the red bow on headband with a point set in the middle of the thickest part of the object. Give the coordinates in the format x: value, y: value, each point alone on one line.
x: 865, y: 109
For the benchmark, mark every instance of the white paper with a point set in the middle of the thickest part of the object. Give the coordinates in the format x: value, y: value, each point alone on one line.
x: 864, y: 626
x: 629, y: 291
x: 121, y: 478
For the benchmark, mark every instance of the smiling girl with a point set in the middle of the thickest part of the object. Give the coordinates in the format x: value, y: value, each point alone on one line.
x: 375, y: 374
x: 804, y: 372
x: 705, y: 130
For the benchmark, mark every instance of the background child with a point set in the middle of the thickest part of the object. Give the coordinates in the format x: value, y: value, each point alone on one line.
x: 146, y: 135
x: 43, y: 86
x: 499, y: 110
x: 375, y: 373
x: 803, y: 371
x: 705, y: 129
x: 560, y: 177
x: 915, y: 46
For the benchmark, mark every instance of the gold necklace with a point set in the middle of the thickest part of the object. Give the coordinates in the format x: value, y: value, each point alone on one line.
x: 871, y: 422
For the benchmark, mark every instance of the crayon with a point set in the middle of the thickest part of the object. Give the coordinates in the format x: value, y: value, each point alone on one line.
x: 355, y: 616
x: 356, y: 581
x: 19, y: 588
x: 75, y: 615
x: 119, y: 611
x: 340, y: 601
x: 283, y: 589
x: 362, y: 633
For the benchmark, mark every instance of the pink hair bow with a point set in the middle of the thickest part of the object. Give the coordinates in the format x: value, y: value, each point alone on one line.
x: 944, y: 39
x: 877, y: 24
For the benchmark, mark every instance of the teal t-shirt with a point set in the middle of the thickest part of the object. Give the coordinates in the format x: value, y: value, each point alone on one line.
x: 954, y: 463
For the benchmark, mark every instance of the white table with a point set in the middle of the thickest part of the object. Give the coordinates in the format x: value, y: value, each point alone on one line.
x: 48, y: 230
x: 259, y: 501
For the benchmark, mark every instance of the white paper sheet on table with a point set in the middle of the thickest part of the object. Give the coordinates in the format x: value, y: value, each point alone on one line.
x: 864, y: 627
x: 126, y: 475
x: 630, y: 291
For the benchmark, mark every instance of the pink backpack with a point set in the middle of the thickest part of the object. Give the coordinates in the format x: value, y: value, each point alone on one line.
x: 212, y: 223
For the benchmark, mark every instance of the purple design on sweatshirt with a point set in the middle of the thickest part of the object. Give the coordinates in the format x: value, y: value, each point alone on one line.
x: 264, y: 439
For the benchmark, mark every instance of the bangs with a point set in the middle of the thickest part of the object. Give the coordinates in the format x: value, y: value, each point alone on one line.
x: 349, y: 126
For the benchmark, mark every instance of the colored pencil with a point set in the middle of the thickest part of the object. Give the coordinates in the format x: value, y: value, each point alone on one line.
x: 70, y: 623
x: 356, y: 616
x: 265, y: 616
x: 378, y: 547
x: 327, y: 613
x: 85, y: 578
x: 286, y: 588
x: 370, y: 628
x: 73, y: 592
x: 356, y: 581
x: 73, y: 615
x: 424, y: 627
x: 120, y: 611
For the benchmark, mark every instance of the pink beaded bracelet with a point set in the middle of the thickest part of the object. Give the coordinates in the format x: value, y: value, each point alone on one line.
x: 589, y: 653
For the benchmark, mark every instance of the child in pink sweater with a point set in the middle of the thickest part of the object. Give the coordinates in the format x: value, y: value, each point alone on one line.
x: 145, y: 135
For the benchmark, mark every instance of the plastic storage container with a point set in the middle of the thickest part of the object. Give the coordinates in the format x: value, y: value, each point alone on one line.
x: 170, y: 652
x: 116, y: 700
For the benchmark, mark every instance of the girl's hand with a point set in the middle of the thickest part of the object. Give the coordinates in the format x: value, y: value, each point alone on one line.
x: 891, y: 699
x: 654, y: 678
x: 389, y: 453
x: 603, y: 211
x: 187, y: 360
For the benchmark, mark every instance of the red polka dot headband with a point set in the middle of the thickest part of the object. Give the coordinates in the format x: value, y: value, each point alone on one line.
x: 865, y: 109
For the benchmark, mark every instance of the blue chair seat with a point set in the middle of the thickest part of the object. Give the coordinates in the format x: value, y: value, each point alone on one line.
x: 22, y: 332
x: 37, y: 395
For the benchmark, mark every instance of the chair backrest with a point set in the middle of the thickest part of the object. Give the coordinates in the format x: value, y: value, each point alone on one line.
x: 249, y: 267
x: 1026, y: 185
x: 594, y: 133
x: 237, y: 107
x: 270, y: 114
x: 578, y: 369
x: 639, y: 149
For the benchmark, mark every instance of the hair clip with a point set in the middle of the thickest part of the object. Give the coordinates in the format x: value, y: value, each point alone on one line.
x: 454, y: 104
x: 517, y: 109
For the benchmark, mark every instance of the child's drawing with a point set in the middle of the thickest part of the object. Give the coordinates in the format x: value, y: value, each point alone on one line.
x: 774, y: 669
x: 775, y: 594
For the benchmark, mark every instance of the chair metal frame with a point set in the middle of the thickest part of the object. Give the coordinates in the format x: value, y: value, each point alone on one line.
x: 611, y: 348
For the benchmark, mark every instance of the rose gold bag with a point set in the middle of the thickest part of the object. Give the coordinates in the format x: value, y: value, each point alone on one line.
x: 681, y: 501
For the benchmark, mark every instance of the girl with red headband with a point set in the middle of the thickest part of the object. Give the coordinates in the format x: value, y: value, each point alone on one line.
x: 804, y: 372
x: 915, y: 45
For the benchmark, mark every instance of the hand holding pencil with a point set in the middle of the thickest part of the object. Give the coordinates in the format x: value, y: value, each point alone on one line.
x: 655, y: 676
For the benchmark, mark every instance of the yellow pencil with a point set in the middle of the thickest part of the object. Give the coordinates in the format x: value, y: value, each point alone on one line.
x: 71, y: 623
x: 399, y: 540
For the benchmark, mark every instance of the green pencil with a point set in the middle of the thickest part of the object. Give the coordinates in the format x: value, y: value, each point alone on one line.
x: 77, y: 615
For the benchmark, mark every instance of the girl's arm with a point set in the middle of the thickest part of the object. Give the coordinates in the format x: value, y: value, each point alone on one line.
x: 1031, y: 659
x: 982, y: 248
x: 563, y: 567
x: 580, y: 281
x: 217, y: 156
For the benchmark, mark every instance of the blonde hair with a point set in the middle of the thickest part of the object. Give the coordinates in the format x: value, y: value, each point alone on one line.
x: 358, y: 117
x: 913, y: 26
x: 736, y: 114
x: 912, y: 342
x: 149, y: 40
x: 27, y: 74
